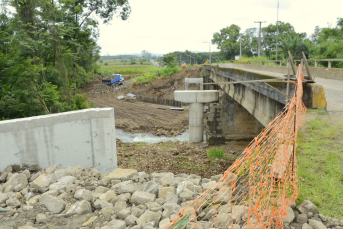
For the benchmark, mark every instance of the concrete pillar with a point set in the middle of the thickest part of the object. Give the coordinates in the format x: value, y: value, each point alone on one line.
x: 329, y: 65
x: 315, y: 63
x: 197, y: 99
x: 196, y: 118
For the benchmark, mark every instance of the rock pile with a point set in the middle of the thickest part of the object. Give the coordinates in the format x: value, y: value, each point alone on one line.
x: 74, y: 197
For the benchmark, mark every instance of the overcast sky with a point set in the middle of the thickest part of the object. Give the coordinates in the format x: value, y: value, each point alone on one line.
x: 162, y: 26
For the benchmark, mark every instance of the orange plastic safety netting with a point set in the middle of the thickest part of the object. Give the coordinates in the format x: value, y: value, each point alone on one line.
x: 256, y: 190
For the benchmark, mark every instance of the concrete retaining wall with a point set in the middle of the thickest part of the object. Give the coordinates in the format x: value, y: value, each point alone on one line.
x: 85, y: 138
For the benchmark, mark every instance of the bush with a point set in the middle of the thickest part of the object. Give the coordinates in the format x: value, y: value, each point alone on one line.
x: 216, y: 153
x: 106, y: 63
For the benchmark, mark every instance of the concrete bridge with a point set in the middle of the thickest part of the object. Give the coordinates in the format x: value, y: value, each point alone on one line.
x: 244, y: 109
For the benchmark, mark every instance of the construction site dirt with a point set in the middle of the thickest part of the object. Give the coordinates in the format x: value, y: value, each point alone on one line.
x: 135, y: 117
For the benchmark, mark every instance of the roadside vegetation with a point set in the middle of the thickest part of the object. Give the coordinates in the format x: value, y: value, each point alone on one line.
x: 319, y: 166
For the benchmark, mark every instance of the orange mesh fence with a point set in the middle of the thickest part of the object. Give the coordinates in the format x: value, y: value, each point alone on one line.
x: 256, y: 190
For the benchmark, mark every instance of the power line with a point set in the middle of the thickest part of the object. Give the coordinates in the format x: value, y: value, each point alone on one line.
x: 259, y: 37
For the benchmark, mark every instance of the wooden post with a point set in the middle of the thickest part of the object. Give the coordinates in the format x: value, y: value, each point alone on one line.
x: 329, y: 65
x: 288, y: 77
x: 315, y: 63
x: 292, y: 64
x: 307, y: 67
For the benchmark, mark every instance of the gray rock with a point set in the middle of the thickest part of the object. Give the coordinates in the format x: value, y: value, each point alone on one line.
x: 1, y: 189
x: 109, y: 196
x: 290, y: 216
x: 296, y: 226
x: 322, y: 217
x: 3, y: 197
x: 43, y: 182
x: 167, y: 179
x: 341, y: 223
x: 171, y: 207
x: 18, y: 181
x: 9, y: 188
x: 41, y: 218
x: 171, y: 198
x: 115, y: 224
x: 186, y: 195
x: 238, y: 212
x: 223, y: 196
x: 208, y: 213
x: 149, y: 216
x: 52, y: 169
x: 53, y: 204
x: 140, y: 197
x: 27, y: 174
x: 223, y: 221
x: 309, y: 215
x: 80, y: 207
x: 183, y: 186
x: 160, y: 201
x: 151, y: 187
x: 119, y: 205
x: 225, y: 209
x: 124, y: 213
x: 217, y: 177
x: 15, y: 167
x: 317, y: 225
x: 126, y: 197
x: 307, y: 206
x: 138, y: 211
x: 236, y: 226
x: 62, y: 183
x: 13, y: 202
x: 124, y: 187
x: 31, y: 166
x: 153, y: 206
x: 101, y: 189
x: 83, y: 194
x: 208, y: 185
x: 137, y: 227
x: 163, y: 222
x: 100, y: 204
x: 162, y: 192
x: 3, y: 176
x: 302, y: 218
x: 130, y: 220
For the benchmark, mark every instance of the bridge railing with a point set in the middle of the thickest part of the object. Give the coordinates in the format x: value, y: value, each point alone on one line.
x: 284, y: 62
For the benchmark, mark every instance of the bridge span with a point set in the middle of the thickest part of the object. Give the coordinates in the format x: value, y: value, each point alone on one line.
x: 244, y: 109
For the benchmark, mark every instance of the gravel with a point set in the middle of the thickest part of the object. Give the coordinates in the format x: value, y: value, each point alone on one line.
x: 75, y: 197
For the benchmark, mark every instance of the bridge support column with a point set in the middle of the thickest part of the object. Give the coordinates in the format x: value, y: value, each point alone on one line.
x: 197, y: 99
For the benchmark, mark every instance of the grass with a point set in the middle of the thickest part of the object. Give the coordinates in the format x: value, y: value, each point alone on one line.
x: 165, y: 72
x: 127, y: 70
x: 319, y: 168
x: 216, y: 153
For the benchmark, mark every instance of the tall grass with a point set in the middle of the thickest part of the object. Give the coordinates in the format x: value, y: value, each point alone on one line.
x: 127, y: 70
x: 165, y: 72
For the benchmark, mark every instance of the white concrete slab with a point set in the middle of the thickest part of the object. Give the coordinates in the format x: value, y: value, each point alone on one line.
x: 85, y: 138
x: 196, y: 96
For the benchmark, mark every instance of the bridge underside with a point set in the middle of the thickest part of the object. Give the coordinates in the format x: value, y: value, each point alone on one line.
x: 244, y: 109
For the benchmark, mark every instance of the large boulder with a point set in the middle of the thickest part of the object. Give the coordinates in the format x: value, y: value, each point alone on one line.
x: 140, y: 197
x: 43, y: 182
x: 53, y: 204
x: 290, y: 216
x: 18, y: 181
x: 80, y: 207
x: 307, y: 206
x: 62, y: 183
x: 317, y: 224
x: 119, y: 174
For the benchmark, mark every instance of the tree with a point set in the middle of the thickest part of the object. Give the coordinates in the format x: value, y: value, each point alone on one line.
x: 52, y: 52
x: 249, y: 42
x: 169, y: 60
x: 227, y: 41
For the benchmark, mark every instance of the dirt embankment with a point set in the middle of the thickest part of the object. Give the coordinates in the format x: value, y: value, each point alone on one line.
x: 143, y: 117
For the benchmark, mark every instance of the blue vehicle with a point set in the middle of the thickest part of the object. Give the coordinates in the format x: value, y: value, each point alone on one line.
x: 115, y: 79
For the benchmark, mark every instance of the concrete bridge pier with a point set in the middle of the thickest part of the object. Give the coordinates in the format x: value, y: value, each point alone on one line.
x: 197, y: 99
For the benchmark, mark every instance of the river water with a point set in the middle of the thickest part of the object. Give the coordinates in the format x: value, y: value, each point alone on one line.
x: 149, y: 138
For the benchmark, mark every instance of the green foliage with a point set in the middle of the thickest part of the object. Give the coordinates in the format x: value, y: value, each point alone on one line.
x: 169, y: 60
x: 216, y: 153
x: 49, y: 52
x: 319, y: 169
x: 227, y: 41
x: 165, y: 72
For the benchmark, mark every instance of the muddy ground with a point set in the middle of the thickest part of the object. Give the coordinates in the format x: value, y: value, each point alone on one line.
x: 177, y: 157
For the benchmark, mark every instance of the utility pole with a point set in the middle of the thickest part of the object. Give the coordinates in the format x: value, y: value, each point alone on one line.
x: 259, y: 37
x: 277, y: 27
x: 240, y: 47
